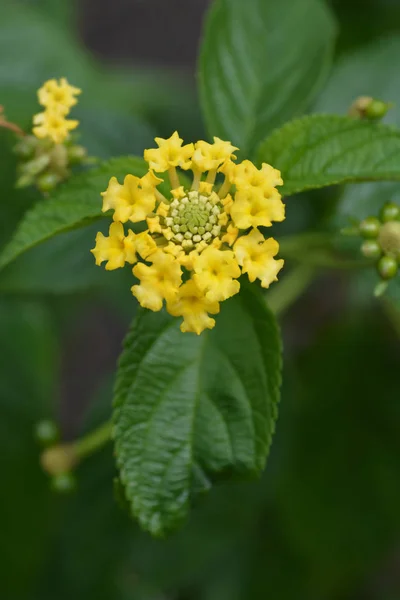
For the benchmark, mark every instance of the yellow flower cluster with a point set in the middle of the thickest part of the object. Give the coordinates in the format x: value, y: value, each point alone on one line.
x: 198, y: 242
x: 57, y: 97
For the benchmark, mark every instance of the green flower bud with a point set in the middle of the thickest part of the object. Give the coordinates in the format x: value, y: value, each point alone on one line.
x: 387, y: 267
x: 366, y: 107
x: 47, y: 182
x: 371, y: 249
x: 46, y: 432
x: 37, y: 165
x: 369, y: 227
x: 26, y: 147
x: 389, y: 238
x: 63, y: 483
x: 377, y: 109
x: 76, y: 154
x: 390, y: 212
x: 24, y: 181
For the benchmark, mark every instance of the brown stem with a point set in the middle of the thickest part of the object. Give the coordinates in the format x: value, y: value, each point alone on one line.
x: 11, y: 126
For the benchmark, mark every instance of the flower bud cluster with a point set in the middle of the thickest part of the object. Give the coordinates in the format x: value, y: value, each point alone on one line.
x: 382, y: 242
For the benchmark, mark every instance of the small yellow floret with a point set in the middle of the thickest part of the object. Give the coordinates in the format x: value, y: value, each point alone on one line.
x: 53, y: 124
x: 215, y: 274
x: 116, y: 249
x: 60, y: 94
x: 252, y: 209
x: 207, y: 156
x: 158, y: 282
x: 255, y: 255
x: 145, y: 245
x: 132, y: 201
x: 246, y: 174
x: 230, y: 235
x: 170, y: 153
x: 191, y: 304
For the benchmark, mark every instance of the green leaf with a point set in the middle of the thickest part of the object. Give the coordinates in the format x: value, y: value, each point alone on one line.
x: 261, y: 64
x: 62, y: 265
x: 76, y: 203
x: 184, y: 401
x: 369, y: 71
x: 322, y: 150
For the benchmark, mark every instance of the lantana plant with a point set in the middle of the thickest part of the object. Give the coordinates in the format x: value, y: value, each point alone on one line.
x: 197, y: 384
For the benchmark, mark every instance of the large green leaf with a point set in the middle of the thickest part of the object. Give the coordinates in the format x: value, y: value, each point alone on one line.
x: 189, y: 405
x: 261, y: 64
x: 322, y: 150
x: 74, y: 204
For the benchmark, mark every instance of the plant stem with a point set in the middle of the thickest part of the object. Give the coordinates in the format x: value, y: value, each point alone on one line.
x: 93, y: 440
x: 290, y: 288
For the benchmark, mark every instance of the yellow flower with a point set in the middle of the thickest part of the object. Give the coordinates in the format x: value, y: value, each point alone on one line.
x: 116, y: 249
x: 231, y: 235
x: 57, y: 98
x: 159, y: 282
x: 53, y: 124
x: 197, y: 233
x: 215, y: 274
x: 170, y: 153
x: 131, y: 201
x: 252, y: 209
x: 255, y: 255
x: 246, y: 174
x: 58, y: 94
x: 145, y: 245
x: 207, y: 156
x: 191, y: 304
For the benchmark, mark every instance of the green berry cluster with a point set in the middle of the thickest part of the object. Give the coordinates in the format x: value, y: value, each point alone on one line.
x: 44, y: 164
x: 382, y: 240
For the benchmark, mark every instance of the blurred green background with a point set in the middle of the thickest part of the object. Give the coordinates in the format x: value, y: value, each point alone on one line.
x: 324, y: 521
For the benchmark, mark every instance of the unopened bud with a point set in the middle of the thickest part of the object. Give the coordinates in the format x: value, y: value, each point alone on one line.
x: 387, y: 267
x: 47, y: 432
x: 47, y: 182
x: 366, y: 107
x: 64, y: 483
x: 37, y: 165
x: 389, y: 238
x: 390, y: 212
x: 377, y: 109
x: 59, y: 459
x: 369, y: 227
x: 76, y: 154
x: 371, y: 249
x: 26, y: 147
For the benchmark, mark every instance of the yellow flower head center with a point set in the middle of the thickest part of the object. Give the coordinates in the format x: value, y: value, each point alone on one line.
x: 192, y: 219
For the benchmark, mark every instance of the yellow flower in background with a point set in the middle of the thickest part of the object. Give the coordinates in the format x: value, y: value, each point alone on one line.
x: 57, y: 98
x: 196, y: 242
x: 53, y: 124
x: 60, y: 94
